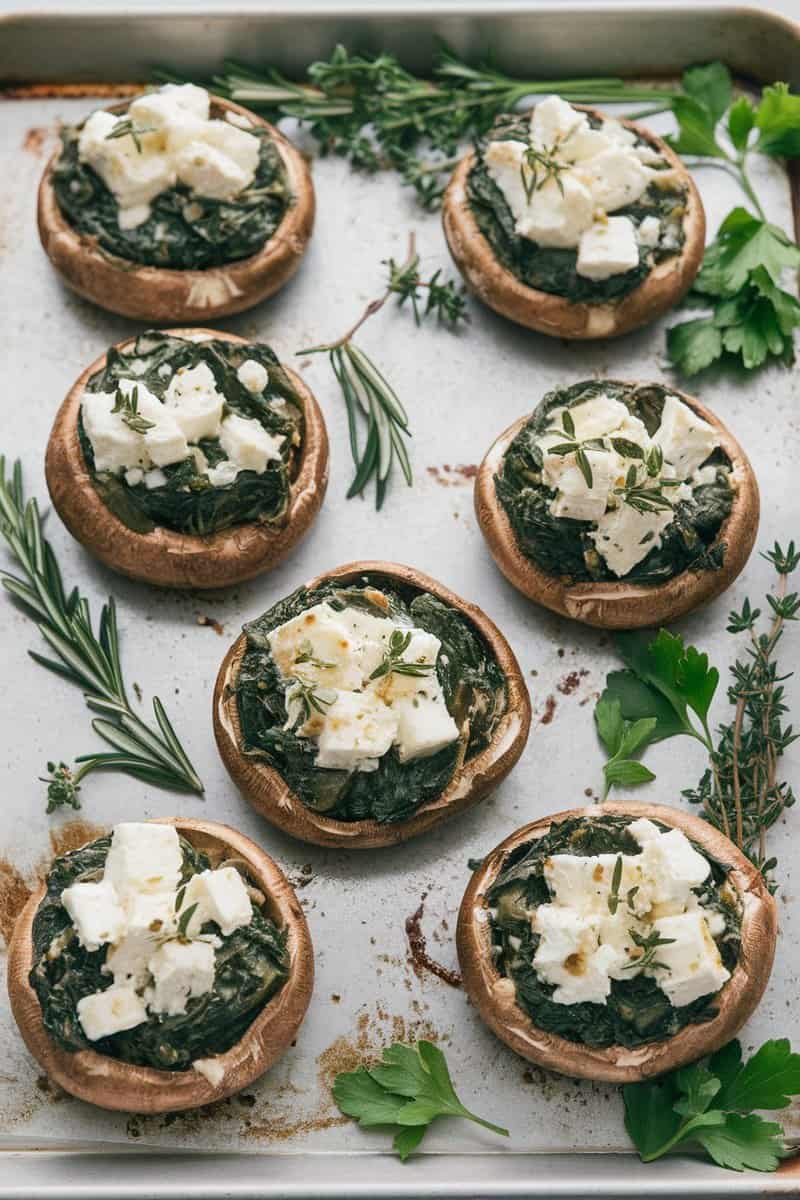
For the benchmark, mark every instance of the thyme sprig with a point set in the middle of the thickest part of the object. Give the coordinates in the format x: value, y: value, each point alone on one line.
x: 303, y: 693
x: 644, y: 497
x: 127, y: 127
x: 306, y: 655
x: 542, y: 166
x: 128, y: 408
x: 90, y: 660
x: 367, y: 393
x: 649, y: 944
x: 393, y: 662
x: 574, y: 445
x: 378, y: 115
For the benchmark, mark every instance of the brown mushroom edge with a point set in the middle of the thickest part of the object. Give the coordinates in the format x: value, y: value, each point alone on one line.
x: 159, y: 295
x: 494, y: 997
x: 110, y: 1083
x: 619, y: 604
x: 165, y: 557
x: 271, y: 796
x: 498, y: 287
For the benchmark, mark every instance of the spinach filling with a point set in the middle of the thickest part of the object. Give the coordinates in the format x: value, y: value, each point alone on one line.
x: 474, y: 689
x: 251, y: 966
x: 552, y: 269
x: 185, y: 231
x: 188, y: 502
x: 636, y: 1011
x: 560, y: 545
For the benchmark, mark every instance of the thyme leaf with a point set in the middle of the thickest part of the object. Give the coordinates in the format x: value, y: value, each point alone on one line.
x: 128, y: 408
x: 126, y: 127
x: 394, y: 663
x: 89, y: 659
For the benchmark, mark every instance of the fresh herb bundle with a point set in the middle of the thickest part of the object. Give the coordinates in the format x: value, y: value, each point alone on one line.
x: 752, y: 318
x: 371, y: 110
x: 408, y: 1089
x: 666, y: 691
x: 90, y: 660
x: 711, y: 1104
x: 367, y: 393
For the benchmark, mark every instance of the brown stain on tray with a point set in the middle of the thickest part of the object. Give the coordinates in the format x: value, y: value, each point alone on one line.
x: 35, y: 139
x: 14, y: 893
x: 418, y: 956
x: 74, y: 834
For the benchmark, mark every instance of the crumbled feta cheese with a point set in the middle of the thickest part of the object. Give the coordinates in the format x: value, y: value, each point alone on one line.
x: 608, y: 248
x: 575, y: 498
x: 223, y: 474
x: 149, y: 918
x: 686, y: 439
x: 592, y: 418
x: 582, y: 882
x: 703, y: 476
x: 692, y: 963
x: 247, y: 443
x: 624, y: 536
x: 220, y: 896
x: 615, y: 178
x: 112, y: 1011
x: 143, y: 857
x: 178, y: 144
x: 195, y: 402
x: 134, y: 476
x: 570, y: 956
x: 253, y: 376
x: 318, y: 636
x: 95, y: 912
x: 166, y: 443
x: 553, y: 216
x: 154, y: 479
x: 115, y: 446
x: 210, y: 1068
x: 181, y: 970
x: 357, y: 730
x: 649, y: 232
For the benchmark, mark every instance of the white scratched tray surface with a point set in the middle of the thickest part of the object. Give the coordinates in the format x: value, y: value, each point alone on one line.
x: 461, y: 391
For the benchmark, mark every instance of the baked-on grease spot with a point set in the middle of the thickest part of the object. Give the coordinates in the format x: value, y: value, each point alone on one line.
x: 211, y: 623
x: 571, y: 681
x: 14, y: 893
x: 550, y: 705
x: 34, y: 140
x: 453, y: 476
x: 418, y: 956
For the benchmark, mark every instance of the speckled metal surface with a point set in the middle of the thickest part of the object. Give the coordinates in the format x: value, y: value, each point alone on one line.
x: 461, y: 391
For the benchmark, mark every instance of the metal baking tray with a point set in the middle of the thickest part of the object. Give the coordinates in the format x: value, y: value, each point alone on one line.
x: 285, y: 1137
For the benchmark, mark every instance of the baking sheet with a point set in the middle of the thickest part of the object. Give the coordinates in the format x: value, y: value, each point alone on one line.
x: 460, y: 390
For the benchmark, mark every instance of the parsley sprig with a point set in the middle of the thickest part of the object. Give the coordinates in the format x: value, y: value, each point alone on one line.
x: 87, y: 658
x: 367, y: 393
x: 666, y: 690
x: 408, y: 1089
x: 712, y: 1104
x: 752, y: 318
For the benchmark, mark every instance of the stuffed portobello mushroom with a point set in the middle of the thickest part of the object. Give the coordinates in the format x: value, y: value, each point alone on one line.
x: 188, y: 459
x: 367, y: 707
x: 616, y: 942
x: 574, y: 223
x: 618, y: 504
x: 165, y: 966
x: 176, y: 206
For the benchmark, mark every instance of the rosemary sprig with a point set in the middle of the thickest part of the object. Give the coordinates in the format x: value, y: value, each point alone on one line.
x: 128, y: 408
x: 127, y: 127
x: 367, y: 393
x: 90, y: 660
x: 393, y: 662
x: 377, y: 114
x: 648, y: 943
x: 306, y: 655
x: 304, y: 694
x: 542, y: 165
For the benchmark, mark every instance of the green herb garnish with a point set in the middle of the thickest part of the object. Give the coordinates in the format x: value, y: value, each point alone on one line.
x: 666, y: 691
x: 304, y: 694
x: 572, y: 445
x: 125, y: 127
x: 90, y: 660
x: 368, y: 394
x: 645, y: 498
x: 409, y: 1088
x: 648, y: 943
x: 394, y: 663
x: 127, y: 405
x: 306, y: 655
x: 711, y: 1104
x: 616, y: 880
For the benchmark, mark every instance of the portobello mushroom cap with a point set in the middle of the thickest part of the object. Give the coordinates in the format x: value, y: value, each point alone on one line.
x: 110, y: 1082
x: 623, y: 604
x: 495, y: 285
x: 494, y: 997
x: 161, y: 295
x: 164, y: 556
x: 268, y: 792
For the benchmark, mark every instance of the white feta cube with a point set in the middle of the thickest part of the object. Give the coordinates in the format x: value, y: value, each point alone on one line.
x: 550, y: 216
x: 319, y: 634
x: 422, y: 650
x: 112, y: 1011
x: 370, y: 636
x: 684, y: 437
x: 649, y: 232
x: 575, y: 498
x: 194, y: 402
x: 241, y: 147
x: 555, y: 121
x: 569, y: 955
x: 184, y: 97
x: 692, y: 963
x: 223, y: 474
x: 154, y: 479
x: 220, y: 896
x: 210, y: 1068
x: 614, y: 178
x: 608, y: 248
x: 181, y: 970
x: 253, y: 376
x: 166, y: 443
x: 357, y: 730
x: 209, y: 172
x: 424, y: 725
x: 134, y: 476
x: 143, y: 857
x: 625, y: 536
x: 583, y: 882
x: 594, y: 418
x: 150, y: 918
x: 674, y: 868
x: 247, y: 443
x: 115, y: 446
x: 95, y: 912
